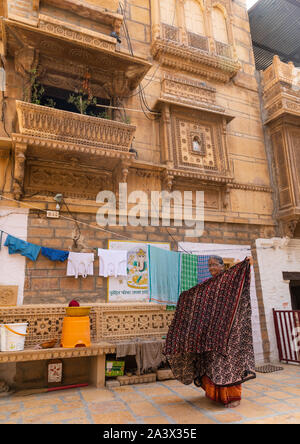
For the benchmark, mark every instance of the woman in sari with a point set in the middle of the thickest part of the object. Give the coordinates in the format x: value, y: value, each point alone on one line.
x: 209, y: 341
x: 228, y: 396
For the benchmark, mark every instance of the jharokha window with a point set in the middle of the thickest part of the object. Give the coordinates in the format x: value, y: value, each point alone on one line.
x: 195, y: 22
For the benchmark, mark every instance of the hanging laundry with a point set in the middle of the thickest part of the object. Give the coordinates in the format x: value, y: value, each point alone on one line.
x: 80, y: 264
x: 203, y: 272
x: 164, y: 275
x: 24, y: 248
x: 1, y: 235
x: 55, y: 255
x: 112, y: 262
x: 188, y: 275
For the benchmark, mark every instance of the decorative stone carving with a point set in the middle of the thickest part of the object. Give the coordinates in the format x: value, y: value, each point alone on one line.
x: 187, y: 131
x: 195, y: 61
x: 288, y: 227
x: 282, y: 110
x: 69, y: 44
x: 26, y: 60
x: 194, y: 91
x: 108, y: 322
x: 47, y: 178
x: 170, y: 32
x: 90, y: 11
x: 167, y: 180
x: 8, y: 295
x: 198, y: 41
x: 19, y: 170
x: 50, y: 123
x: 76, y: 34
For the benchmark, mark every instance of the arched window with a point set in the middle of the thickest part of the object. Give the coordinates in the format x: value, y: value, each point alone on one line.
x: 168, y: 12
x: 194, y: 17
x: 219, y: 25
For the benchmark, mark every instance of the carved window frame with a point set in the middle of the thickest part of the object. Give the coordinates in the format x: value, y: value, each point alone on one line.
x: 180, y: 33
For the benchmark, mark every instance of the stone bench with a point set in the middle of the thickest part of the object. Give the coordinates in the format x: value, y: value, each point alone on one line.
x: 108, y: 322
x: 96, y: 353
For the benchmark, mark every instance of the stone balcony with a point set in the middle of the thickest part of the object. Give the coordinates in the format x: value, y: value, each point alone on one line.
x: 198, y: 55
x: 79, y: 130
x: 281, y: 83
x: 281, y: 99
x: 51, y: 139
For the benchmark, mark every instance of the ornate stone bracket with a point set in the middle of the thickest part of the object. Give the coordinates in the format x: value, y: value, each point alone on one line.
x: 26, y: 60
x: 19, y: 170
x: 288, y: 227
x: 226, y: 196
x: 167, y: 180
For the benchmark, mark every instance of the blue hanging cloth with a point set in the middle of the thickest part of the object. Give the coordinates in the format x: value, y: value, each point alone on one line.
x: 55, y: 255
x: 164, y: 275
x: 203, y: 272
x: 24, y: 248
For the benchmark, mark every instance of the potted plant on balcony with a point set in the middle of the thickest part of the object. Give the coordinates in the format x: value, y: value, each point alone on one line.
x: 83, y: 99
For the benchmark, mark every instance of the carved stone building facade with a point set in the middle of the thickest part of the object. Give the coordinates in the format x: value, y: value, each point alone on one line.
x: 179, y: 109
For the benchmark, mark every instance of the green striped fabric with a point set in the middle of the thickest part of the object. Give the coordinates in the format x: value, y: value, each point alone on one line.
x: 189, y: 272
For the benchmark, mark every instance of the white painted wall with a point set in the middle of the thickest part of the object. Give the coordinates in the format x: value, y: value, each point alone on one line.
x: 12, y: 267
x: 275, y: 256
x: 239, y: 253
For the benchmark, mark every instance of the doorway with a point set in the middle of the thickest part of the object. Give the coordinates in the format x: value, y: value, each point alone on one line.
x: 295, y: 294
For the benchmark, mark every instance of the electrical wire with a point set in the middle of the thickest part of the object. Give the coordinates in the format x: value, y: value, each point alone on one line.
x: 72, y: 219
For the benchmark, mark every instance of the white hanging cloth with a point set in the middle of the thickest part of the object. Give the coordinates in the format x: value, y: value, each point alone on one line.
x: 80, y: 264
x: 112, y: 262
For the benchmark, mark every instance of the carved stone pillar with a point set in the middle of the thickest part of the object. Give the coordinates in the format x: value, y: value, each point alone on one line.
x: 209, y: 29
x: 155, y: 17
x: 166, y: 135
x: 26, y: 61
x: 181, y: 21
x: 19, y: 170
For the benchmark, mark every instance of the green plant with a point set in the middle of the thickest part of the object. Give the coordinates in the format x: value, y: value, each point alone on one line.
x: 82, y: 101
x: 51, y: 103
x: 35, y: 91
x: 127, y: 120
x: 104, y: 115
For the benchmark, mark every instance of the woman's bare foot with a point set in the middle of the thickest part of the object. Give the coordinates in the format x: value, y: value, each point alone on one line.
x: 231, y: 405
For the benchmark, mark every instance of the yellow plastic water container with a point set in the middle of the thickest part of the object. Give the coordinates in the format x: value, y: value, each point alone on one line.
x: 76, y: 332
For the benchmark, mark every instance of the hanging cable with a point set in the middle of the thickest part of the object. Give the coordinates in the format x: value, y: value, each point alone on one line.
x: 72, y: 219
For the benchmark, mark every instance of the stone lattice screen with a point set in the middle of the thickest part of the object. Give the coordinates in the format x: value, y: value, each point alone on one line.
x: 108, y: 321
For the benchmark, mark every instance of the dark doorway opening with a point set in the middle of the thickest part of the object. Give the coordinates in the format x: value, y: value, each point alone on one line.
x: 295, y: 294
x: 59, y: 98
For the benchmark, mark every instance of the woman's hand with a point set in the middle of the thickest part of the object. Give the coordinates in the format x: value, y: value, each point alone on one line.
x: 250, y: 259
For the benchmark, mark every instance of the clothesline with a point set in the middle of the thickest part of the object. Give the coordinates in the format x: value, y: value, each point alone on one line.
x: 118, y: 234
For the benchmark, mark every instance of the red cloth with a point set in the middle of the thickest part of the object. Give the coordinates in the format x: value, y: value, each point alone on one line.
x: 74, y: 303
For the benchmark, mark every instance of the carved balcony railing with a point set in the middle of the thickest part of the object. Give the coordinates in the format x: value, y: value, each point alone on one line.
x: 67, y: 148
x: 194, y: 53
x: 198, y: 41
x: 170, y: 32
x: 223, y: 50
x: 281, y: 82
x: 49, y: 123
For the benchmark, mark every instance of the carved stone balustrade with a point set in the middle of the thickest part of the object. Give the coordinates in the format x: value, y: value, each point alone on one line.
x: 49, y: 123
x: 195, y: 60
x: 108, y: 322
x: 49, y: 138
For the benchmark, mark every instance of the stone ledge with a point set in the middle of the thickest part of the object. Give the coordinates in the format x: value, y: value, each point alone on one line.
x: 54, y: 353
x: 127, y: 380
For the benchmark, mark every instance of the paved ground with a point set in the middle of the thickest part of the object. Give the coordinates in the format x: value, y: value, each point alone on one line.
x: 272, y: 398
